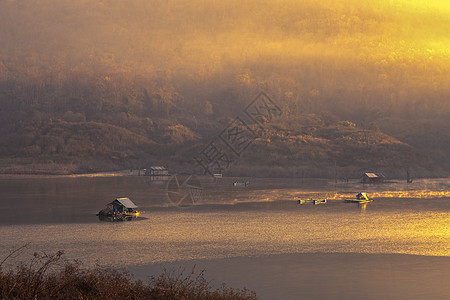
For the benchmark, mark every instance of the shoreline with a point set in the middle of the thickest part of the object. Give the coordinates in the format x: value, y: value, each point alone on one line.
x: 75, y: 175
x: 321, y: 275
x: 32, y: 168
x: 135, y: 172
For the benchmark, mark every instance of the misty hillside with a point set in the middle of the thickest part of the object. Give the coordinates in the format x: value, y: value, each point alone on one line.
x: 97, y: 85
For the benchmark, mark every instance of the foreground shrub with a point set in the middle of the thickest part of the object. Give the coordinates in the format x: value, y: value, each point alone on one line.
x: 52, y: 277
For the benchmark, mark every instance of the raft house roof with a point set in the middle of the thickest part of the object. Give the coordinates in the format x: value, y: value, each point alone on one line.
x: 371, y: 175
x: 157, y: 168
x: 125, y: 202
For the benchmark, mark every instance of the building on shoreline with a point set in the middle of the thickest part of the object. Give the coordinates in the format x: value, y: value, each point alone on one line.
x: 157, y: 173
x: 373, y: 178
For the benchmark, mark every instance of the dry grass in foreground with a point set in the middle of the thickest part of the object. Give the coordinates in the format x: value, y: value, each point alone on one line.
x: 53, y: 277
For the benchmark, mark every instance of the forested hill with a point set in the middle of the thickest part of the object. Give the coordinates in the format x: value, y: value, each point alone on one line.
x: 111, y: 137
x: 94, y: 85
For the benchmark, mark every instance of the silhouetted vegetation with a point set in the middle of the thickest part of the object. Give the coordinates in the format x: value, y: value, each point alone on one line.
x: 91, y: 86
x: 52, y: 277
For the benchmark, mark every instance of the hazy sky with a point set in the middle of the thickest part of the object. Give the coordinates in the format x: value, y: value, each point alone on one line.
x: 372, y: 42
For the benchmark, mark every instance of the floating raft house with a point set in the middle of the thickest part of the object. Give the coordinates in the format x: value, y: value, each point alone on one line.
x: 119, y: 206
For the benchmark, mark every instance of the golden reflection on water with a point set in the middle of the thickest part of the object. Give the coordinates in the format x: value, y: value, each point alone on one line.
x: 362, y: 207
x: 416, y: 194
x: 424, y: 194
x: 172, y: 236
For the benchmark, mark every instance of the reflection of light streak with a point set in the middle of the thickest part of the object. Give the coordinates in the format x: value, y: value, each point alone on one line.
x: 411, y: 194
x: 423, y: 194
x: 362, y: 208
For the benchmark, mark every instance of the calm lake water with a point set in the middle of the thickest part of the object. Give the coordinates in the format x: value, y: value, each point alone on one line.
x: 258, y: 237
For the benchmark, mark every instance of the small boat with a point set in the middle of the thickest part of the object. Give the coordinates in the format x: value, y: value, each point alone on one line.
x: 313, y: 201
x: 360, y: 198
x: 121, y: 209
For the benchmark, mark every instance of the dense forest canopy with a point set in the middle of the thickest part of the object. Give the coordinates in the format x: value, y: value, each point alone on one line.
x: 174, y: 71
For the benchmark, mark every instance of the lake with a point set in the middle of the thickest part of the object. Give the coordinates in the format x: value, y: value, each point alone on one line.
x: 259, y: 237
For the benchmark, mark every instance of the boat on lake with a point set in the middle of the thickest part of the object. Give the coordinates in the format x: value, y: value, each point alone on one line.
x: 121, y: 209
x: 360, y: 198
x: 312, y: 201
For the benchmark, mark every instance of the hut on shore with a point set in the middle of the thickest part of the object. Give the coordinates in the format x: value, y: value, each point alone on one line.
x: 373, y: 178
x: 156, y: 171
